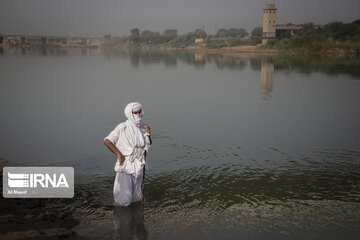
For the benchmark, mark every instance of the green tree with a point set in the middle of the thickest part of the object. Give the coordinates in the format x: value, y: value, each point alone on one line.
x: 135, y: 35
x: 171, y: 33
x: 333, y: 27
x: 257, y: 32
x: 256, y: 35
x: 221, y: 33
x: 200, y: 33
x: 308, y: 27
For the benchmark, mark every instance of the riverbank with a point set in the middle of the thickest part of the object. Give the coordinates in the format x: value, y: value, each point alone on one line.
x: 297, y: 45
x: 236, y: 50
x: 315, y: 45
x: 29, y: 219
x: 248, y: 49
x: 271, y: 49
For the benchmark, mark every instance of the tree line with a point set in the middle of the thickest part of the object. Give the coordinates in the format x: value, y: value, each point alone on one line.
x: 172, y: 37
x: 347, y: 34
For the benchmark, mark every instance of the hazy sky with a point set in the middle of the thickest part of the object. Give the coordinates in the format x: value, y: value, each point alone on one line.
x: 98, y: 17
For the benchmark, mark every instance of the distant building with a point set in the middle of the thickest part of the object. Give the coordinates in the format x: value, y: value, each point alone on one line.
x: 269, y: 23
x: 292, y: 27
x: 272, y: 31
x: 199, y: 40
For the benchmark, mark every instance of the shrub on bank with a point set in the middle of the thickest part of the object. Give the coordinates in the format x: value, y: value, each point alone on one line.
x: 316, y: 44
x: 334, y: 38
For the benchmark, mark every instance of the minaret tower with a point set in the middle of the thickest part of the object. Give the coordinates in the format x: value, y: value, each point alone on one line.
x: 269, y: 23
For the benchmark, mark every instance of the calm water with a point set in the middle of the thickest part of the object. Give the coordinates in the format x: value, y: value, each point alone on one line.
x: 243, y: 147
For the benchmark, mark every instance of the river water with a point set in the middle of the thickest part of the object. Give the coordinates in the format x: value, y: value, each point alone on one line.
x: 243, y: 146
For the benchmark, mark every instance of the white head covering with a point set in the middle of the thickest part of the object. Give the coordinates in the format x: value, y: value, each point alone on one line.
x: 133, y: 124
x: 134, y: 106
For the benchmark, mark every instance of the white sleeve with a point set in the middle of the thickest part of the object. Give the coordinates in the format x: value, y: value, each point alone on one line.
x: 114, y: 135
x: 147, y: 141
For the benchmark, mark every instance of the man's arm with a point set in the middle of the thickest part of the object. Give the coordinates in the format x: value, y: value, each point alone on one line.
x: 115, y: 150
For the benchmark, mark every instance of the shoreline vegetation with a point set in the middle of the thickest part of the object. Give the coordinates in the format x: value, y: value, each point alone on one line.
x: 332, y: 39
x: 27, y: 218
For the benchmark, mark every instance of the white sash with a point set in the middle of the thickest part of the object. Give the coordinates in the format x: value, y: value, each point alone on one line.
x: 132, y: 165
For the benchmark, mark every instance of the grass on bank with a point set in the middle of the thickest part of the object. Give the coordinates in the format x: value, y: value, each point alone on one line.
x: 314, y: 44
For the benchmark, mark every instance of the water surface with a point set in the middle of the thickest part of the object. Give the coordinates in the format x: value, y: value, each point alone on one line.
x: 243, y: 146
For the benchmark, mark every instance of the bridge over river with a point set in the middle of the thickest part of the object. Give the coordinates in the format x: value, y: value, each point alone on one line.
x: 29, y: 39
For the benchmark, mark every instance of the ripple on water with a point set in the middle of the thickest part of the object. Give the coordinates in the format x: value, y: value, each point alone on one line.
x: 234, y: 198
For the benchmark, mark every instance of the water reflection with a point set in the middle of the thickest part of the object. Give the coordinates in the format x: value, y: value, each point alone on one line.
x: 24, y: 51
x: 135, y: 59
x: 267, y: 78
x: 40, y: 51
x: 304, y: 64
x: 199, y: 57
x: 255, y: 63
x: 170, y: 59
x: 129, y: 222
x: 285, y: 64
x: 200, y: 60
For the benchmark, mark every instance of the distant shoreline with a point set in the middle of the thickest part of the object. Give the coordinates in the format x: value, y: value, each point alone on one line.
x: 246, y: 49
x: 250, y: 49
x: 235, y: 50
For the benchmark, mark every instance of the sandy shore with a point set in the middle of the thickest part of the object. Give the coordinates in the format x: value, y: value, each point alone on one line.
x: 28, y: 219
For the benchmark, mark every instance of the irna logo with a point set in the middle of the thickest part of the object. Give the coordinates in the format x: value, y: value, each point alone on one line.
x: 37, y: 179
x: 38, y: 182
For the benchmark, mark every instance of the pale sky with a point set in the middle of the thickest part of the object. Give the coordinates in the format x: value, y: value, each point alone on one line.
x: 99, y: 17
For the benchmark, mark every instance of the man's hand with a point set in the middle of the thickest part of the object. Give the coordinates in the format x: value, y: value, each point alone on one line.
x: 147, y: 128
x: 115, y: 150
x: 121, y: 159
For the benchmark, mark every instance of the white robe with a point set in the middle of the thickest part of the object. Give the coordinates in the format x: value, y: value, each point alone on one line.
x: 129, y: 176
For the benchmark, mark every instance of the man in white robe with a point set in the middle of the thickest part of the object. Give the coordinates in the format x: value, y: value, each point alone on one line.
x: 130, y: 141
